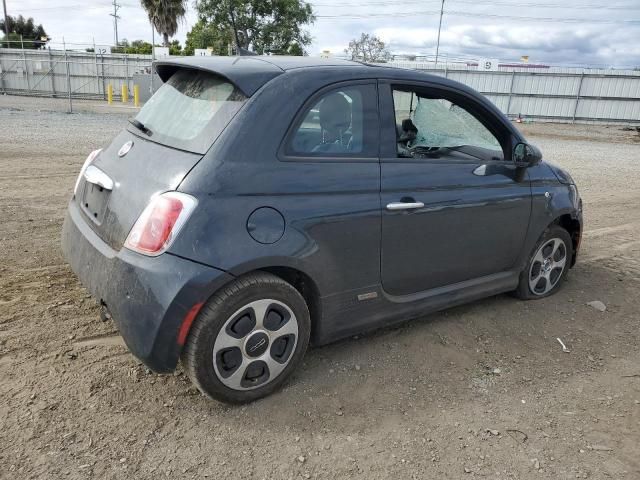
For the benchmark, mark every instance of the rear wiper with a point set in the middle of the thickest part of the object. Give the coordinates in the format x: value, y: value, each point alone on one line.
x: 140, y: 126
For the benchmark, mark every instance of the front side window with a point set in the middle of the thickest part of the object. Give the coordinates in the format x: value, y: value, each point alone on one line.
x: 340, y: 123
x: 433, y: 126
x: 190, y: 110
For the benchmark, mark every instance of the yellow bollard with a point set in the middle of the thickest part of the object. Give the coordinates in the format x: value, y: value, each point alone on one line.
x: 136, y: 96
x: 110, y: 94
x: 125, y: 94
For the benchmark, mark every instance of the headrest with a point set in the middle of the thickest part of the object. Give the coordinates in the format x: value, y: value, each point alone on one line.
x: 335, y: 113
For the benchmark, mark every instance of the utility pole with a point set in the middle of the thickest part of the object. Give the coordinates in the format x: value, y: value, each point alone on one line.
x: 6, y: 23
x: 439, y: 28
x: 115, y: 16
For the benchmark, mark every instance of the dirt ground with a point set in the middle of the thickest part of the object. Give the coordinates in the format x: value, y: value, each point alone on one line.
x: 482, y: 390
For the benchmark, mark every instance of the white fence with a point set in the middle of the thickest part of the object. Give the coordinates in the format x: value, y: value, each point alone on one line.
x: 552, y: 94
x: 56, y: 73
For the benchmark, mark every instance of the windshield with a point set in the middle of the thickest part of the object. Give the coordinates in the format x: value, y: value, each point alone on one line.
x: 190, y: 110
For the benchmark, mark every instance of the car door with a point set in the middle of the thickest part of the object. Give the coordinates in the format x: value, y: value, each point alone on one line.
x: 329, y: 188
x: 455, y: 208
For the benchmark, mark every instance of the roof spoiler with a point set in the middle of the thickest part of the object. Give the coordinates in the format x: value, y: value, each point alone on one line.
x: 248, y: 73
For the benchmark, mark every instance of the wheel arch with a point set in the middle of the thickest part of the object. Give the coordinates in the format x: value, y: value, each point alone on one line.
x: 306, y: 286
x: 573, y: 226
x: 294, y: 274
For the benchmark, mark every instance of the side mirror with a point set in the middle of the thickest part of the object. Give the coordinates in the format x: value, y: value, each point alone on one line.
x: 526, y: 155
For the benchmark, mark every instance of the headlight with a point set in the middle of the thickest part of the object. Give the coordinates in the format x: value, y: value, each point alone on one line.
x: 575, y: 197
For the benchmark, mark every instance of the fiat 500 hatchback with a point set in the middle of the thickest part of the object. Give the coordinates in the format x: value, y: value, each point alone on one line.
x: 258, y: 204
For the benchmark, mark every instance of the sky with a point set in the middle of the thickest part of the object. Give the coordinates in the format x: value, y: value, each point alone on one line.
x: 565, y: 32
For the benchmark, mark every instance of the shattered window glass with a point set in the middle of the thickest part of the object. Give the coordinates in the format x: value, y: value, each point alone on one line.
x: 437, y: 123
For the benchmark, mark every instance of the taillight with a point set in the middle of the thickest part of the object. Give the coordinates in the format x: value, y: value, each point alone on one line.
x: 160, y: 223
x: 92, y: 156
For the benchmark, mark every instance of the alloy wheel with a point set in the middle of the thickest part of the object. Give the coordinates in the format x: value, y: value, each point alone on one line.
x: 255, y: 344
x: 547, y: 266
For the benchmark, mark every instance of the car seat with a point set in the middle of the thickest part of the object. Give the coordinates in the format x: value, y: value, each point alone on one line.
x: 335, y: 122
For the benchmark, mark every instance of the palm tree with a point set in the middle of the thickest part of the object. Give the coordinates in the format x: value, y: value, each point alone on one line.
x: 165, y: 15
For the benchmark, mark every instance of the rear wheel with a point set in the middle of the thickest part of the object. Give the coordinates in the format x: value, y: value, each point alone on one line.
x: 548, y: 265
x: 247, y: 339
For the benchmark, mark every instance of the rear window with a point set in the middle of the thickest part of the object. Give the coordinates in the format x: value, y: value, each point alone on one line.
x: 190, y: 110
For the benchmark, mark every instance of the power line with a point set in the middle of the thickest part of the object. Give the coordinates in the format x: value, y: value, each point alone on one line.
x: 66, y: 7
x: 544, y: 19
x: 60, y: 7
x: 391, y: 3
x: 473, y: 14
x: 553, y: 5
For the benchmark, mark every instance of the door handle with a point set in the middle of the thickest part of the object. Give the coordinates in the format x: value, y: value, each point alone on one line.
x: 404, y: 205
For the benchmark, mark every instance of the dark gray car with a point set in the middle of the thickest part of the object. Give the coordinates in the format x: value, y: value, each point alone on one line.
x: 257, y: 204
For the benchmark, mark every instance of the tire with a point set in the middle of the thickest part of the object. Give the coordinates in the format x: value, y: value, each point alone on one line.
x: 231, y: 354
x: 547, y: 267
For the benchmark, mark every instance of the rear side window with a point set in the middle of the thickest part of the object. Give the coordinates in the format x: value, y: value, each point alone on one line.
x: 190, y: 110
x: 338, y: 123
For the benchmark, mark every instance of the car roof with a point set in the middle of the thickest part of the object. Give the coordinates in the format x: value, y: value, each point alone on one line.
x: 248, y: 73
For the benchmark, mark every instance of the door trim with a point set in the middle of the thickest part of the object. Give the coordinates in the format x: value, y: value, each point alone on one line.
x: 501, y: 278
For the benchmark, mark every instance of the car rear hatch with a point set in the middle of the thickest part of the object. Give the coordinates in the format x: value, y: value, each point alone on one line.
x: 167, y: 138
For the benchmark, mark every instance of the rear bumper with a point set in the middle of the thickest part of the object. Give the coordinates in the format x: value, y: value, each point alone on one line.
x: 148, y: 297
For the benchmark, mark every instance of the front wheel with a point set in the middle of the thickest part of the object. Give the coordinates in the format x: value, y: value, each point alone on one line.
x: 548, y: 265
x: 247, y: 339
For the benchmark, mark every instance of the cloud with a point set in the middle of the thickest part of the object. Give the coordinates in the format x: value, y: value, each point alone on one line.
x: 552, y: 44
x: 481, y: 30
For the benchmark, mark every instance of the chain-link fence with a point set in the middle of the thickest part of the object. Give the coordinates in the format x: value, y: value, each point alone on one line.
x: 70, y: 74
x: 550, y: 93
x: 522, y: 92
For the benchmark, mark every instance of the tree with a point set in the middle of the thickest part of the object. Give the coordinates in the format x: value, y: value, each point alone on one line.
x: 140, y: 47
x: 261, y: 26
x: 23, y: 31
x: 205, y: 35
x: 165, y: 15
x: 137, y: 47
x: 175, y: 48
x: 121, y: 47
x: 368, y: 48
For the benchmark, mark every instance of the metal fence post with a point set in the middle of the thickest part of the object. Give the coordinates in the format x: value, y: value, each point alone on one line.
x: 66, y: 61
x: 151, y: 77
x: 575, y: 108
x: 52, y: 68
x: 104, y: 85
x: 2, y: 77
x: 95, y: 56
x: 513, y: 76
x: 24, y: 59
x: 126, y: 70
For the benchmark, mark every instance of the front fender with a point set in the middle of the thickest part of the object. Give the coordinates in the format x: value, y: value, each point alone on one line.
x: 550, y: 201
